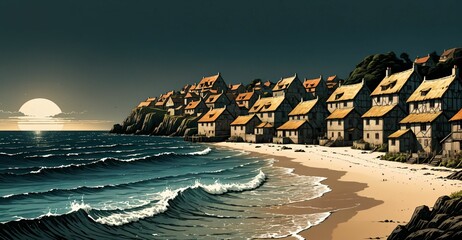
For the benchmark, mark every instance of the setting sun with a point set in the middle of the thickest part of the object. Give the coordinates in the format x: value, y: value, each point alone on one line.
x: 39, y: 114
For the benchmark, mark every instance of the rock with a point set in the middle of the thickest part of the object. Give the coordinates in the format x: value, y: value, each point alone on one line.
x: 425, y: 234
x: 400, y: 232
x: 420, y: 213
x: 455, y: 176
x: 450, y: 222
x: 117, y: 128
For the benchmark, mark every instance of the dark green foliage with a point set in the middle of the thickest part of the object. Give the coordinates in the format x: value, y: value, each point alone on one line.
x: 373, y: 68
x: 456, y: 194
x: 251, y: 85
x: 396, y: 157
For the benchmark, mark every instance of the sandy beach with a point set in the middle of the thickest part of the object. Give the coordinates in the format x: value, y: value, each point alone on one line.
x: 368, y: 198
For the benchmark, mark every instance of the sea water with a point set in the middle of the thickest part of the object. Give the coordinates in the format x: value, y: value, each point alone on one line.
x: 80, y: 185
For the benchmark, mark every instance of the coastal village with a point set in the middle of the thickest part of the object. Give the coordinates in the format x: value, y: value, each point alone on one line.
x: 405, y: 114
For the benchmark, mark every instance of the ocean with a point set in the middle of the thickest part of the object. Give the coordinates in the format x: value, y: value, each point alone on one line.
x: 95, y: 185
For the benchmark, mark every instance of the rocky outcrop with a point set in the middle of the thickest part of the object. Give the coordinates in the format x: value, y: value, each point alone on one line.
x: 444, y: 221
x: 456, y: 176
x: 153, y: 121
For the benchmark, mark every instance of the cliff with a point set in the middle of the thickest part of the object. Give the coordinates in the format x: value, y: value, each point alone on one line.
x: 444, y: 221
x: 154, y: 121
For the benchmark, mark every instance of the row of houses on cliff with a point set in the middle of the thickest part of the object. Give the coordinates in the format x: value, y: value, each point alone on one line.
x: 405, y: 112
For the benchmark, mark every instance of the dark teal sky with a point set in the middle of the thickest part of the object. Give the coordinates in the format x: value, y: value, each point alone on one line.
x: 102, y: 57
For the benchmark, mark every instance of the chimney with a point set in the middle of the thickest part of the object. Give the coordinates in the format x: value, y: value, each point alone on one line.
x: 388, y: 72
x: 455, y: 71
x: 414, y: 66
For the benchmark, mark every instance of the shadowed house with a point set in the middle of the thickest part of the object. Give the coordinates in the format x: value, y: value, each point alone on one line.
x: 215, y: 124
x: 453, y: 53
x: 192, y: 88
x: 332, y: 83
x: 389, y: 105
x: 221, y: 100
x: 263, y: 133
x: 245, y: 100
x: 292, y: 89
x: 346, y: 105
x: 174, y: 104
x: 196, y: 108
x: 243, y: 126
x: 236, y: 89
x: 315, y: 113
x: 317, y: 87
x: 185, y: 89
x: 190, y: 97
x: 426, y: 61
x: 452, y: 143
x: 294, y: 131
x: 402, y: 140
x: 207, y: 84
x: 161, y: 103
x: 149, y: 102
x: 261, y: 87
x: 431, y: 105
x: 273, y: 110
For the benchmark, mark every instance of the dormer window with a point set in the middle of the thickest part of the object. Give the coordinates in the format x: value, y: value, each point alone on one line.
x: 338, y: 96
x: 424, y: 92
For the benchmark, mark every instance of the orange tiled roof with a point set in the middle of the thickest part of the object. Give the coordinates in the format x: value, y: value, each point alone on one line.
x: 432, y: 89
x: 393, y: 83
x: 208, y: 81
x: 235, y: 87
x: 269, y: 104
x: 399, y: 133
x: 422, y: 59
x: 340, y: 113
x: 292, y: 125
x: 212, y: 115
x: 245, y: 96
x: 331, y: 78
x: 420, y: 117
x: 213, y: 98
x: 242, y: 120
x: 285, y: 83
x: 378, y: 111
x: 457, y: 117
x: 346, y: 92
x: 311, y: 83
x: 192, y: 105
x: 264, y: 125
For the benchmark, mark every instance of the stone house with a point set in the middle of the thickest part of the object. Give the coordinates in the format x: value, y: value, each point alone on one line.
x: 207, y: 84
x: 242, y: 126
x: 263, y: 133
x: 273, y: 110
x: 346, y: 105
x: 216, y: 124
x: 317, y: 87
x: 294, y: 131
x: 453, y: 53
x: 174, y: 105
x: 246, y: 100
x: 196, y: 108
x: 292, y: 89
x: 313, y: 111
x: 431, y: 105
x: 162, y: 101
x: 452, y: 143
x: 221, y: 100
x: 191, y: 97
x: 389, y: 105
x: 261, y: 87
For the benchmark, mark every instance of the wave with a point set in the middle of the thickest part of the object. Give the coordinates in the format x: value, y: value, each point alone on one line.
x: 83, y: 220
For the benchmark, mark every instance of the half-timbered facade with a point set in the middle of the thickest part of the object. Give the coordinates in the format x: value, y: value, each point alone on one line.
x: 294, y: 131
x: 314, y: 112
x: 196, y: 108
x: 246, y: 100
x: 292, y: 89
x: 452, y: 144
x: 215, y: 123
x: 207, y: 84
x: 242, y: 126
x: 273, y: 110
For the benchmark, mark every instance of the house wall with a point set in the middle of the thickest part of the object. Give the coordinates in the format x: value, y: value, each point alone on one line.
x: 239, y: 131
x: 386, y: 126
x: 339, y: 105
x: 338, y: 128
x: 206, y: 129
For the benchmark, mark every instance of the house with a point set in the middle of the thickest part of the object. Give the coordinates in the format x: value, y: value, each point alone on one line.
x: 243, y: 126
x: 176, y: 111
x: 272, y: 110
x: 292, y: 89
x: 185, y: 89
x: 332, y: 83
x: 221, y: 100
x: 389, y: 105
x: 313, y: 111
x: 317, y: 87
x: 191, y: 97
x: 452, y: 143
x: 174, y: 105
x: 246, y: 100
x: 215, y: 125
x: 402, y: 140
x: 426, y: 61
x: 261, y: 87
x: 346, y: 105
x: 263, y: 133
x: 161, y: 103
x: 294, y: 131
x: 195, y: 108
x: 451, y: 54
x: 207, y: 84
x: 236, y: 89
x: 431, y: 105
x: 149, y: 102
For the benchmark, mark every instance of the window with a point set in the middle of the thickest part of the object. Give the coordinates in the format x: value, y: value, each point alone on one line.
x: 377, y: 136
x: 295, y: 133
x: 330, y: 122
x: 339, y: 134
x: 416, y: 105
x: 432, y: 103
x: 261, y: 114
x: 423, y: 127
x: 345, y: 104
x: 332, y: 134
x: 298, y: 117
x: 393, y: 142
x: 339, y: 122
x: 367, y: 135
x: 367, y: 121
x: 270, y: 114
x: 377, y: 121
x: 242, y: 128
x: 290, y: 133
x: 390, y: 99
x: 378, y: 99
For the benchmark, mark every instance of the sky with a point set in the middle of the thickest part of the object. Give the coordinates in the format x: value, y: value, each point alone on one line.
x: 97, y: 59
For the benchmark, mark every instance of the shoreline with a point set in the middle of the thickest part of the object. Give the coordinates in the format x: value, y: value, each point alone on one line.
x: 368, y: 198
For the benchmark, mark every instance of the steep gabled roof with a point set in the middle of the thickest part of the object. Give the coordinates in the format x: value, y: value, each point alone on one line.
x: 235, y: 86
x: 192, y: 105
x: 393, y: 83
x: 144, y: 104
x: 151, y: 99
x: 292, y: 125
x: 243, y: 120
x: 420, y: 117
x: 378, y: 111
x: 399, y: 133
x: 457, y: 117
x: 432, y: 89
x: 346, y: 92
x: 331, y: 78
x: 213, y: 98
x: 265, y: 125
x: 212, y: 115
x: 208, y: 81
x: 285, y: 83
x: 303, y: 107
x: 311, y: 83
x: 422, y: 60
x: 340, y: 113
x: 191, y: 95
x: 245, y: 96
x: 269, y: 104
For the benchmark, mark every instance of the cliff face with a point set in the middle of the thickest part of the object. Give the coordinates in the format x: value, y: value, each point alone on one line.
x: 153, y: 121
x: 444, y: 221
